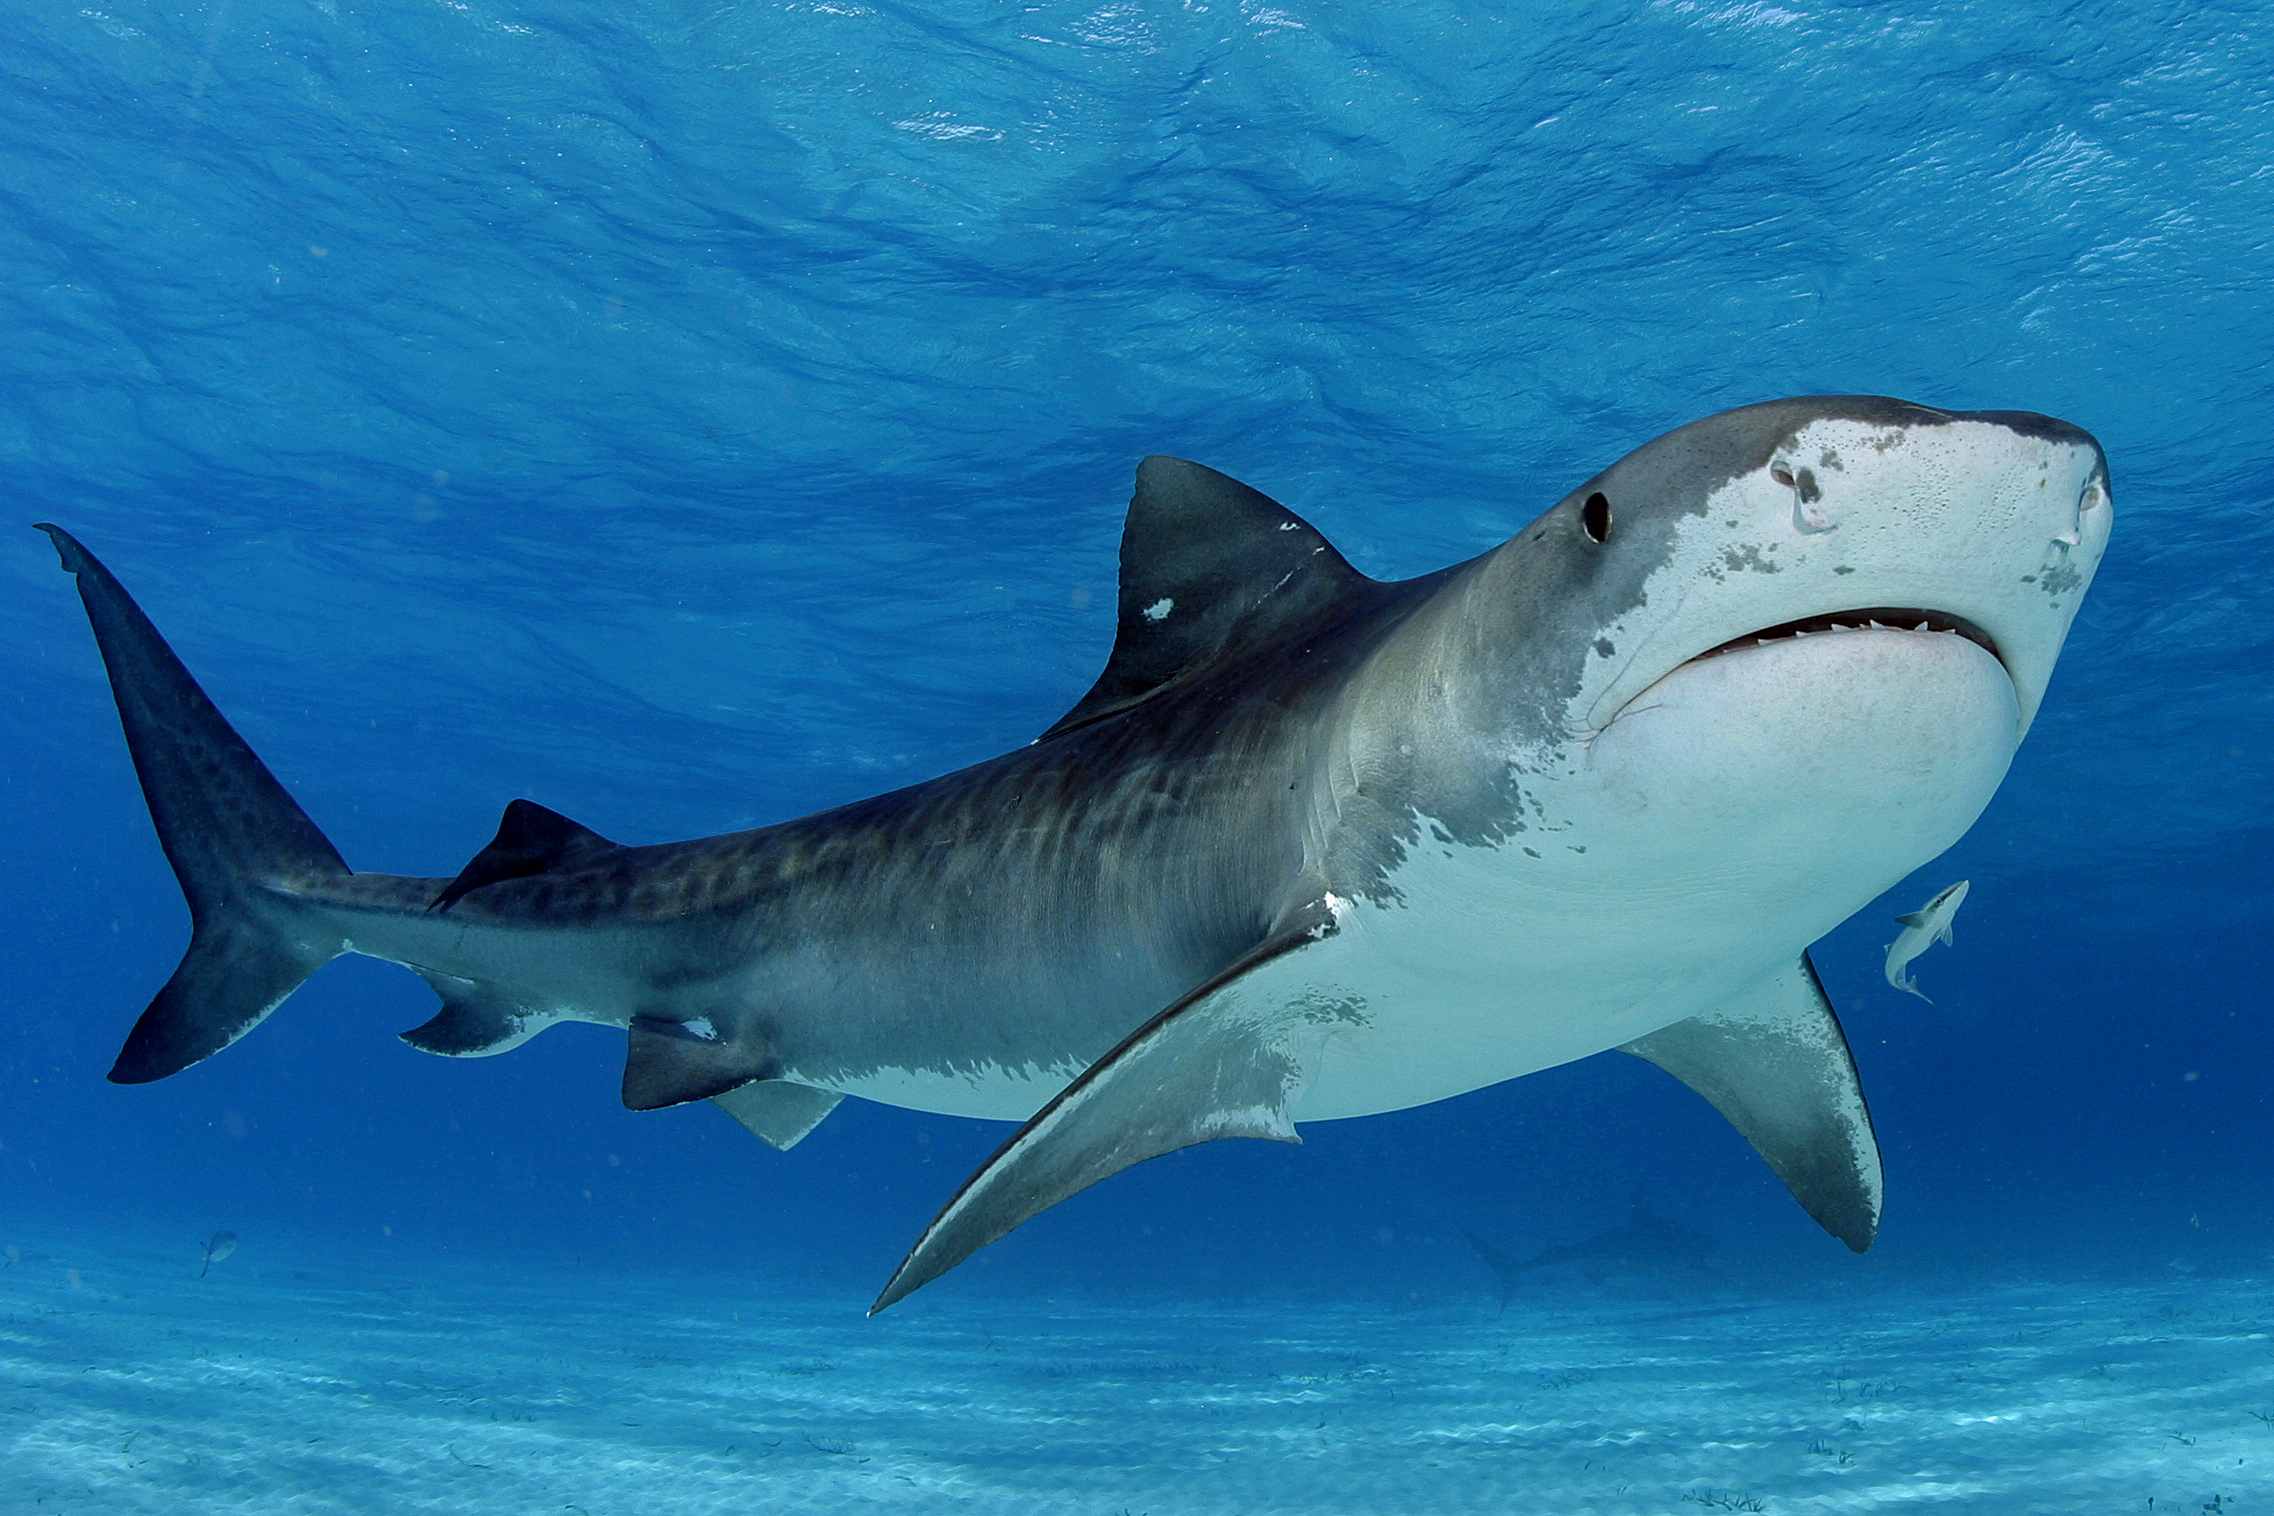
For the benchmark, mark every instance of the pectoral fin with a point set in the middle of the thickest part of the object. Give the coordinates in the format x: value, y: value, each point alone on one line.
x: 1776, y: 1063
x: 1227, y: 1060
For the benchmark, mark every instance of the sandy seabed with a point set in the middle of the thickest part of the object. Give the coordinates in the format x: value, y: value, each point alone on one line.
x: 127, y: 1384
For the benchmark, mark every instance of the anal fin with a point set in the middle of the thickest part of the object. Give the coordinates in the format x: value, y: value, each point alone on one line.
x: 780, y: 1112
x: 1226, y: 1060
x: 471, y: 1023
x: 1776, y: 1063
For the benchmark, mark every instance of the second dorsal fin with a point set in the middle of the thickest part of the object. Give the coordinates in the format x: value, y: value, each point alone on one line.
x: 1208, y: 564
x: 530, y: 840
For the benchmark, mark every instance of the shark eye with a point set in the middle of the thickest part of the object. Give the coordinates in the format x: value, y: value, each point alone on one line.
x: 1595, y: 517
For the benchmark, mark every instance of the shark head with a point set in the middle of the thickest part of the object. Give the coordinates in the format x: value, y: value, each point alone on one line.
x: 1749, y: 533
x: 1770, y: 661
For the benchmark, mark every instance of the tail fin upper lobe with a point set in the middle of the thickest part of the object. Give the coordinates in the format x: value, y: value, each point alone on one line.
x: 238, y: 843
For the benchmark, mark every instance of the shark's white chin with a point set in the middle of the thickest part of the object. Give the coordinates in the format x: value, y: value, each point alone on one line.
x: 1859, y: 754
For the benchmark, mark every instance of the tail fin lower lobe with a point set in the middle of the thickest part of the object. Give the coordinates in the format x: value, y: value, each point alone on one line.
x: 238, y: 842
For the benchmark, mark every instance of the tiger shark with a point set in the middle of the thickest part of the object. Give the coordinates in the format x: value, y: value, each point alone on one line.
x: 1314, y: 845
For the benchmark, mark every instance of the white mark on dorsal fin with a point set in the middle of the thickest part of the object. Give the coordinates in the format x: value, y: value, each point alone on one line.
x: 1159, y: 609
x: 1288, y: 526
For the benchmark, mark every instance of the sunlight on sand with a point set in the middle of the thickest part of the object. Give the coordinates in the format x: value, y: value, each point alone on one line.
x: 302, y: 1382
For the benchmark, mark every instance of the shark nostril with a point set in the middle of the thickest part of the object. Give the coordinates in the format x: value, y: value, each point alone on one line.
x: 2095, y: 497
x: 1808, y: 514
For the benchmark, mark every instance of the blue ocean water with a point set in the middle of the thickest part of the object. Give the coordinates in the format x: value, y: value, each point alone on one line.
x: 693, y: 416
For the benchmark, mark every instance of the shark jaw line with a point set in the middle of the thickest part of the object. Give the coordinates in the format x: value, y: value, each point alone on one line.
x: 1903, y: 621
x: 1877, y: 619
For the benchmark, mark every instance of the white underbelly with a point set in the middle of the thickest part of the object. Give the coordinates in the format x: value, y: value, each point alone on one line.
x: 1683, y: 858
x: 1453, y: 1001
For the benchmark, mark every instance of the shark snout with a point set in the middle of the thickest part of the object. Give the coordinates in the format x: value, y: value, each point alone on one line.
x: 2024, y: 575
x: 2086, y: 512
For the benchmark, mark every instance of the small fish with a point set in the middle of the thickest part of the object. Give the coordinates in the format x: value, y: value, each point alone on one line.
x: 1922, y: 929
x: 218, y: 1247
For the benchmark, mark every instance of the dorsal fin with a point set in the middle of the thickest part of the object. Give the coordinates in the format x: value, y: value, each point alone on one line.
x: 530, y: 839
x: 1208, y: 564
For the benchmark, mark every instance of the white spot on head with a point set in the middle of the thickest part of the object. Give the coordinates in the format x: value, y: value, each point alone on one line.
x: 1159, y: 609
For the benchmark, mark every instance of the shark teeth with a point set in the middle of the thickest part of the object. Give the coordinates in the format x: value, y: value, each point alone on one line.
x: 1876, y: 618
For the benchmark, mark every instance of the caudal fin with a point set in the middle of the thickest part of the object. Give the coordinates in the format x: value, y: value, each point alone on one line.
x: 240, y: 846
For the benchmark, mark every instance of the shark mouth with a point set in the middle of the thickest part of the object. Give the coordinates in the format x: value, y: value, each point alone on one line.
x: 1877, y: 619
